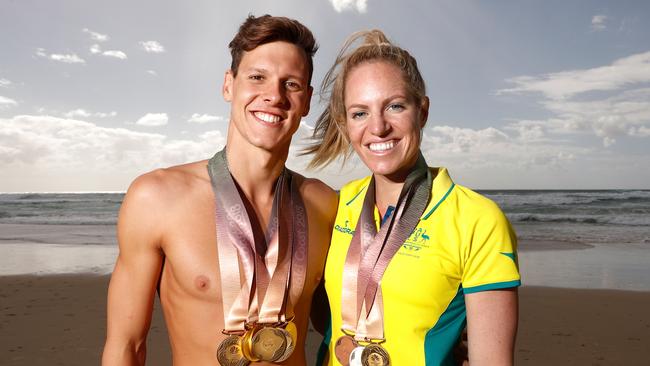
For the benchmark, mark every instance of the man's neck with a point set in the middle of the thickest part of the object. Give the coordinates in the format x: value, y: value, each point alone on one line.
x: 255, y: 170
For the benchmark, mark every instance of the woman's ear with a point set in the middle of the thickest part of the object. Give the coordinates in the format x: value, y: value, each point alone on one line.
x: 424, y: 111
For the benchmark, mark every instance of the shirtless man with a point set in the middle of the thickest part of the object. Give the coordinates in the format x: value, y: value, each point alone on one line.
x: 166, y: 226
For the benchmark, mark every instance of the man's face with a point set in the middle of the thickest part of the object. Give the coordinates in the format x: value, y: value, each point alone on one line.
x: 269, y: 95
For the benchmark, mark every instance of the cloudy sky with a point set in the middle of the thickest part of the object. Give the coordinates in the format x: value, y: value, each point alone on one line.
x: 524, y: 94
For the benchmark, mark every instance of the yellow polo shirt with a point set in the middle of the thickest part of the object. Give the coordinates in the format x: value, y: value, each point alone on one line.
x: 462, y: 244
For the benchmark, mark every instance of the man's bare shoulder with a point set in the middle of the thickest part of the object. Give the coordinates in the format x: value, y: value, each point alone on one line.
x: 168, y: 184
x: 319, y: 196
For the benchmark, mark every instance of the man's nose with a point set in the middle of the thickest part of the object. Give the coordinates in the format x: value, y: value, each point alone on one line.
x: 274, y: 93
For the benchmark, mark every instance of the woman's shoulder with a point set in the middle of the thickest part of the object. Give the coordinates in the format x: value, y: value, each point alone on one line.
x: 475, y: 205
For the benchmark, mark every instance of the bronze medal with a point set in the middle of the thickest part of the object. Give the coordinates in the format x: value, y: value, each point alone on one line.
x: 229, y: 352
x: 375, y: 355
x: 291, y: 335
x: 269, y: 344
x: 343, y: 348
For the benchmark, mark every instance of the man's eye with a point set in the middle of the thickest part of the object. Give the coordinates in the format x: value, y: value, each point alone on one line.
x: 256, y: 77
x: 292, y: 85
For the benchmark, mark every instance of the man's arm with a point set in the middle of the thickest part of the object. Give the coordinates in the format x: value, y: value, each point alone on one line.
x: 492, y: 326
x: 133, y: 282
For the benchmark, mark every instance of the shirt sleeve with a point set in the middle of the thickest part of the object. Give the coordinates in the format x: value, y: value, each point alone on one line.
x: 491, y: 253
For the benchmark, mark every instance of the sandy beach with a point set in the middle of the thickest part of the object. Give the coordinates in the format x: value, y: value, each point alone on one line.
x: 60, y: 320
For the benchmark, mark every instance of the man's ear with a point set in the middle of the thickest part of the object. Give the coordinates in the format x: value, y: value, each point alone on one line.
x: 424, y: 111
x: 226, y: 89
x: 310, y: 91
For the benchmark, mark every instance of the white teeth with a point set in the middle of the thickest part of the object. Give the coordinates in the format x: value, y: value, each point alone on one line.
x: 381, y: 146
x: 266, y: 117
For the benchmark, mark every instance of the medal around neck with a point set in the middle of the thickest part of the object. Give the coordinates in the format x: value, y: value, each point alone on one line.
x: 291, y: 334
x: 269, y: 344
x: 230, y: 352
x: 343, y: 349
x: 368, y: 256
x: 355, y: 356
x: 257, y: 331
x: 374, y: 355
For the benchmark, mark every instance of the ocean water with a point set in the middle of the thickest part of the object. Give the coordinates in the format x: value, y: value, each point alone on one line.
x: 47, y: 233
x: 60, y: 208
x: 595, y: 216
x: 606, y: 216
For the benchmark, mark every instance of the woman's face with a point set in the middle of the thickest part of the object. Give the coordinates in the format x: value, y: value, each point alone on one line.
x: 383, y: 119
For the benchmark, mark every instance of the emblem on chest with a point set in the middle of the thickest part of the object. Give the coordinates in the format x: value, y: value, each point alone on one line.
x: 417, y: 242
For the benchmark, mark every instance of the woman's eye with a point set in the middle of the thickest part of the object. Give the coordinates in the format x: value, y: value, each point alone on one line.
x: 357, y: 115
x: 396, y: 107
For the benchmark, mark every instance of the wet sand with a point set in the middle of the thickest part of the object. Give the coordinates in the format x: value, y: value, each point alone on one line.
x: 60, y: 320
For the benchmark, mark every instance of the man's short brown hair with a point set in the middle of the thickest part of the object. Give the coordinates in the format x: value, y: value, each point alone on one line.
x: 256, y: 31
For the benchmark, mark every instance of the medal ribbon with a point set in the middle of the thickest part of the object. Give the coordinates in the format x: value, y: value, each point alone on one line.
x: 259, y: 274
x: 370, y: 252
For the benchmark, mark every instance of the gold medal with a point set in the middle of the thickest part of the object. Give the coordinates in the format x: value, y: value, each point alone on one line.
x: 291, y: 335
x: 343, y: 348
x: 269, y: 344
x: 229, y: 352
x: 374, y: 355
x: 247, y: 344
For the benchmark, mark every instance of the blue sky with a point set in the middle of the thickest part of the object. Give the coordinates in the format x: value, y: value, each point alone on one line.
x: 524, y: 94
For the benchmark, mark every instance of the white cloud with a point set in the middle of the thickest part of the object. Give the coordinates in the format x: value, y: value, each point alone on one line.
x: 608, y: 101
x: 152, y: 46
x: 4, y: 83
x: 487, y: 153
x: 49, y: 149
x: 82, y: 113
x: 115, y: 53
x: 561, y: 85
x: 7, y: 102
x: 153, y: 119
x: 204, y: 118
x: 96, y: 36
x: 341, y: 5
x: 96, y: 49
x: 70, y: 58
x: 598, y: 22
x: 77, y: 113
x: 152, y: 72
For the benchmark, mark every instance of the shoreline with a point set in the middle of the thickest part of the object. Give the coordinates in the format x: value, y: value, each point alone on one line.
x: 60, y: 319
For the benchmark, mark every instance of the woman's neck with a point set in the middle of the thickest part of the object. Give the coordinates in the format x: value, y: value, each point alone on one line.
x: 386, y: 193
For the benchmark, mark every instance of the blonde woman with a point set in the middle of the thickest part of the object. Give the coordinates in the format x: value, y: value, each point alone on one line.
x: 414, y: 256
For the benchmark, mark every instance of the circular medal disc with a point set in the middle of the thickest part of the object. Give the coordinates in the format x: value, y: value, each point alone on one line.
x: 291, y: 335
x: 269, y: 344
x: 229, y: 352
x: 247, y: 344
x: 355, y: 356
x: 374, y: 355
x: 343, y: 349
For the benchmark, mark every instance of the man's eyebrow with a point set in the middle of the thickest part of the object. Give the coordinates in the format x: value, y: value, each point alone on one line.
x: 256, y: 69
x: 261, y: 70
